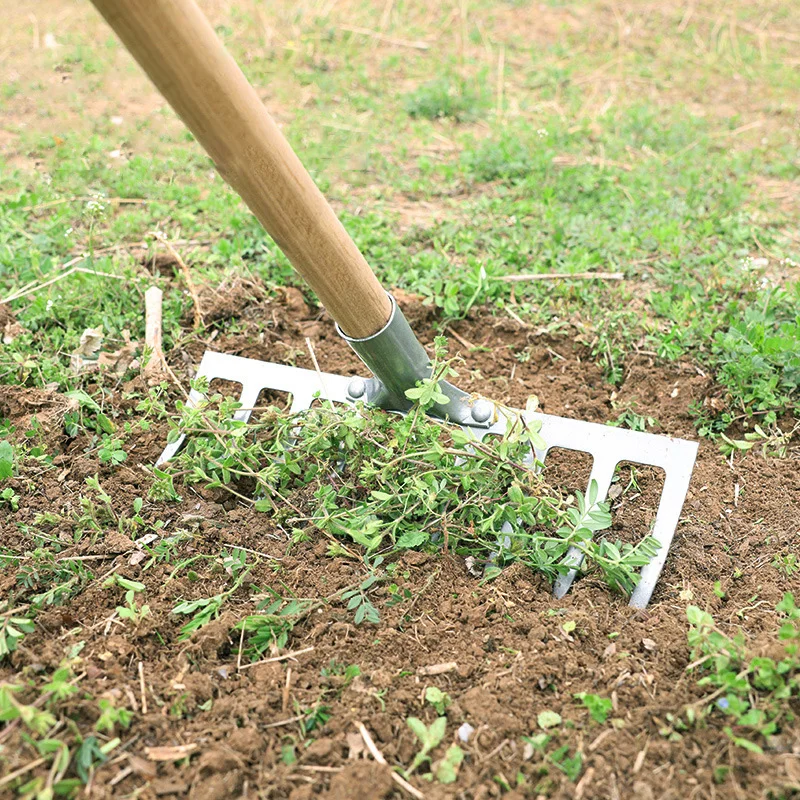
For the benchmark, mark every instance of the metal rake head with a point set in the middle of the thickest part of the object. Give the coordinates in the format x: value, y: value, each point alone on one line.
x: 608, y: 446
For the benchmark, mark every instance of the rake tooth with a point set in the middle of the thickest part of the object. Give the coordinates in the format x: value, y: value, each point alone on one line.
x: 171, y: 449
x: 248, y: 398
x: 300, y: 402
x: 676, y: 485
x: 602, y: 472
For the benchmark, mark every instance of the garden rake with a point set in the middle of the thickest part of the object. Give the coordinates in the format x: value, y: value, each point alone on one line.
x: 178, y: 49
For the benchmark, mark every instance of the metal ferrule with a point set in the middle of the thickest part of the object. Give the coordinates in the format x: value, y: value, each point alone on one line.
x: 398, y: 361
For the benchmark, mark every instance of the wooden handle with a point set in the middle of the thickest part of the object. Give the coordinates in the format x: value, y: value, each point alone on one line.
x: 177, y: 48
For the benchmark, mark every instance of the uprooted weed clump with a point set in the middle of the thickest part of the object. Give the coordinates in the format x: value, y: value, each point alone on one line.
x: 389, y: 483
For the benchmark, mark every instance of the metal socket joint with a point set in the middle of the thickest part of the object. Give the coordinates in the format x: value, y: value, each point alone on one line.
x: 398, y: 361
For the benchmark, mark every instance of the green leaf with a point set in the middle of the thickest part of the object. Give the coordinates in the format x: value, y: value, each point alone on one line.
x: 436, y: 731
x: 787, y: 606
x: 537, y: 741
x: 548, y: 719
x: 6, y: 460
x: 599, y: 707
x: 571, y: 767
x: 83, y: 400
x: 412, y: 539
x: 446, y: 770
x: 133, y: 586
x: 698, y: 617
x: 419, y: 728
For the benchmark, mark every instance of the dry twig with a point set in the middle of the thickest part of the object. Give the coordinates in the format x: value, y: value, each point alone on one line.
x: 382, y: 38
x: 142, y: 688
x: 153, y: 297
x: 32, y: 289
x: 562, y: 276
x: 378, y: 756
x: 187, y: 277
x: 272, y: 660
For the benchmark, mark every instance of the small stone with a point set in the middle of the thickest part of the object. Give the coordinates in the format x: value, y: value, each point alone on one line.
x: 465, y: 731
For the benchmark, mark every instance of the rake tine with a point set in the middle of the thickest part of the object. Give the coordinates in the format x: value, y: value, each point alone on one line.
x: 676, y: 485
x: 302, y: 384
x: 602, y: 472
x: 171, y: 449
x: 249, y: 399
x: 300, y: 402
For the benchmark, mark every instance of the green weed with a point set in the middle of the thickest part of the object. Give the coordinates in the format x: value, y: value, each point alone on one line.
x: 570, y: 765
x: 442, y: 97
x: 13, y: 628
x: 429, y: 737
x: 438, y: 699
x: 404, y: 482
x: 131, y: 610
x: 598, y: 707
x: 753, y: 693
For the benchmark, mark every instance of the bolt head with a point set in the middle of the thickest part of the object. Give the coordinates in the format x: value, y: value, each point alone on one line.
x: 482, y: 410
x: 356, y: 388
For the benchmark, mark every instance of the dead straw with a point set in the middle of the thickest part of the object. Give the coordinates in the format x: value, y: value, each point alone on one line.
x: 562, y: 276
x: 32, y: 289
x: 378, y: 756
x: 272, y: 660
x: 383, y: 38
x: 187, y: 277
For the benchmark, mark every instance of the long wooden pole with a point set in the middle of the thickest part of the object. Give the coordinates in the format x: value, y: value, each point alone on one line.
x: 176, y: 46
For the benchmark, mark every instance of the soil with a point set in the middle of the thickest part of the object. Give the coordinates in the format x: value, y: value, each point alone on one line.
x: 509, y: 654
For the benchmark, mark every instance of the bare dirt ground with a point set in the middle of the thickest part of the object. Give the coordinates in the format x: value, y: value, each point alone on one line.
x: 509, y: 654
x: 512, y: 657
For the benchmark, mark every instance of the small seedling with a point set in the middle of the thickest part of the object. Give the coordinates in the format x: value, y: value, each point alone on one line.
x: 10, y: 498
x: 429, y: 738
x: 202, y: 611
x: 571, y: 766
x: 111, y: 451
x: 446, y: 770
x: 358, y: 600
x: 12, y: 632
x: 633, y: 421
x: 599, y: 707
x: 35, y: 719
x: 60, y: 687
x: 163, y: 487
x: 111, y: 716
x: 315, y: 717
x: 786, y: 565
x: 438, y: 699
x: 131, y: 610
x: 205, y: 609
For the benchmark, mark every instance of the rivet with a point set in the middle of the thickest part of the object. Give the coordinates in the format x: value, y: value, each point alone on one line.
x: 356, y: 388
x: 482, y: 410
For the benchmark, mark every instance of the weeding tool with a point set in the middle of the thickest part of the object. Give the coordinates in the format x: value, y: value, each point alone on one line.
x: 178, y: 49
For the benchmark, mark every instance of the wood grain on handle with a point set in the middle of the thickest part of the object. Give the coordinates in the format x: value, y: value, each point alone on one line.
x: 177, y: 48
